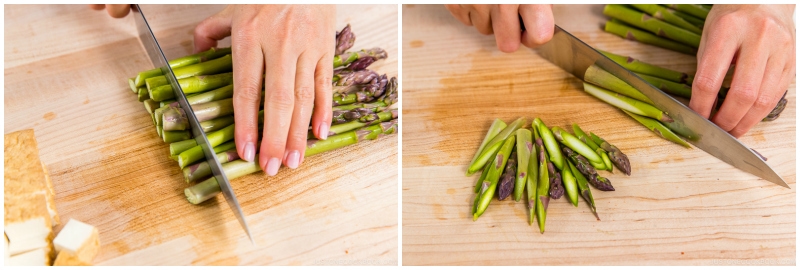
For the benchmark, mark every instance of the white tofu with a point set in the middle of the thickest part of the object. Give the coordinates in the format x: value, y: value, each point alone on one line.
x: 36, y: 257
x: 78, y: 239
x: 27, y: 235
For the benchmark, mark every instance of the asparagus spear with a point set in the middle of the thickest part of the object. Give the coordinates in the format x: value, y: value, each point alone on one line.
x: 533, y: 178
x: 494, y: 145
x: 583, y: 187
x: 575, y: 144
x: 691, y: 19
x: 362, y: 122
x: 674, y: 88
x: 587, y: 170
x: 694, y: 10
x: 570, y: 185
x: 175, y: 118
x: 630, y: 33
x: 478, y: 185
x: 192, y: 85
x: 550, y: 144
x: 556, y: 185
x: 524, y: 149
x: 210, y: 54
x: 659, y: 129
x: 616, y: 155
x: 598, y: 76
x: 175, y: 136
x: 626, y: 103
x: 652, y: 25
x: 543, y: 185
x: 588, y: 141
x: 497, y: 126
x: 370, y: 93
x: 226, y: 152
x: 215, y: 138
x: 344, y: 40
x: 150, y: 105
x: 142, y: 94
x: 506, y: 184
x: 668, y: 16
x: 346, y: 58
x: 644, y: 68
x: 493, y: 177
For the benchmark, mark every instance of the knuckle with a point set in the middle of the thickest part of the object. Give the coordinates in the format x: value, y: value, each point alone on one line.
x: 705, y: 85
x: 280, y: 98
x: 304, y: 94
x: 744, y: 96
x: 248, y: 93
x: 764, y: 102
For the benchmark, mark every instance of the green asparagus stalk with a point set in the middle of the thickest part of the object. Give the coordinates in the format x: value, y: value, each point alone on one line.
x: 154, y: 82
x: 506, y: 184
x: 210, y: 54
x: 484, y: 172
x: 533, y: 177
x: 142, y: 94
x: 175, y: 136
x: 598, y: 76
x: 496, y: 127
x: 524, y: 149
x: 626, y: 103
x: 372, y: 132
x: 694, y: 10
x: 681, y: 90
x: 150, y: 105
x: 543, y: 185
x: 574, y: 143
x: 175, y: 118
x: 550, y: 143
x: 132, y: 84
x: 588, y: 141
x: 493, y: 177
x: 195, y: 153
x: 494, y: 145
x: 652, y: 25
x: 192, y: 85
x: 216, y: 124
x: 226, y: 152
x: 648, y: 69
x: 616, y: 155
x: 349, y: 57
x: 668, y: 16
x: 365, y: 121
x: 659, y: 129
x: 691, y: 19
x: 583, y: 187
x: 634, y: 34
x: 570, y: 185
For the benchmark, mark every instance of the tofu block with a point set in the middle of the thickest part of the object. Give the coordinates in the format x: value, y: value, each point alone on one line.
x: 67, y: 259
x: 24, y: 172
x: 78, y: 239
x: 27, y: 224
x: 36, y: 257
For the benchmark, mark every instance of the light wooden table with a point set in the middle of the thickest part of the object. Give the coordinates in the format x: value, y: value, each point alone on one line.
x: 66, y: 70
x: 680, y: 206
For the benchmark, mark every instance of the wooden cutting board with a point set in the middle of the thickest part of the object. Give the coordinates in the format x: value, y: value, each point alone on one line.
x: 680, y: 206
x: 66, y: 70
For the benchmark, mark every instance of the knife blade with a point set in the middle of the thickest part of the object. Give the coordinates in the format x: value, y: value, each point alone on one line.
x: 156, y: 55
x: 574, y: 56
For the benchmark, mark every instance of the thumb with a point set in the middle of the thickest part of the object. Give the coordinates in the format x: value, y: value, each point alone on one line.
x: 212, y: 29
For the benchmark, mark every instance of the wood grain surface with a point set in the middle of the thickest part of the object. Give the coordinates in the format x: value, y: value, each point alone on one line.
x: 66, y: 70
x: 680, y: 206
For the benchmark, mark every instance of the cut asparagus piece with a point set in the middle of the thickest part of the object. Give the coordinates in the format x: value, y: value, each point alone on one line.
x: 494, y: 145
x: 202, y: 170
x: 175, y: 135
x: 209, y: 188
x: 667, y: 15
x: 570, y: 185
x: 556, y: 184
x: 587, y: 170
x: 492, y: 179
x: 652, y: 25
x: 575, y: 144
x: 616, y: 155
x: 497, y: 126
x: 597, y: 76
x: 631, y: 33
x: 507, y: 179
x: 659, y: 129
x: 533, y: 177
x: 586, y: 139
x: 151, y: 105
x: 543, y: 185
x: 142, y: 94
x: 480, y: 182
x: 132, y: 84
x: 583, y: 187
x: 550, y: 143
x: 626, y: 103
x: 648, y: 69
x: 524, y: 149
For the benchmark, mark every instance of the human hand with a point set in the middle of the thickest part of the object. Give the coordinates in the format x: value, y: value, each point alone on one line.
x: 115, y: 10
x: 294, y: 46
x: 759, y: 39
x: 504, y: 22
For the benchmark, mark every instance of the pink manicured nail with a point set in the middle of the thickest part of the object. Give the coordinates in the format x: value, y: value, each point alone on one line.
x: 249, y: 152
x: 293, y: 159
x: 272, y: 166
x: 323, y: 131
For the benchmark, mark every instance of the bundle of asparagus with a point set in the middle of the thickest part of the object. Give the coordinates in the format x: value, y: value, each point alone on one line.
x: 673, y: 27
x: 544, y: 162
x: 364, y: 108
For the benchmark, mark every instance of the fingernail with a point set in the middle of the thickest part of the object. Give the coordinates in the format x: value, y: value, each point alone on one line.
x: 272, y: 166
x: 249, y: 152
x: 293, y: 159
x: 323, y: 131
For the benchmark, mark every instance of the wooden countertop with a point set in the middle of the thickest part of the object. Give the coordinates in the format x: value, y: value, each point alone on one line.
x: 680, y: 206
x: 65, y: 77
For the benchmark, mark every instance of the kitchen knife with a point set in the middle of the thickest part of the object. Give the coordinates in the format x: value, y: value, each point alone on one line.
x: 156, y: 55
x: 574, y: 56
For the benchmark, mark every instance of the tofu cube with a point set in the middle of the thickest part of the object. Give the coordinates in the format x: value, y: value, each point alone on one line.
x: 78, y: 239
